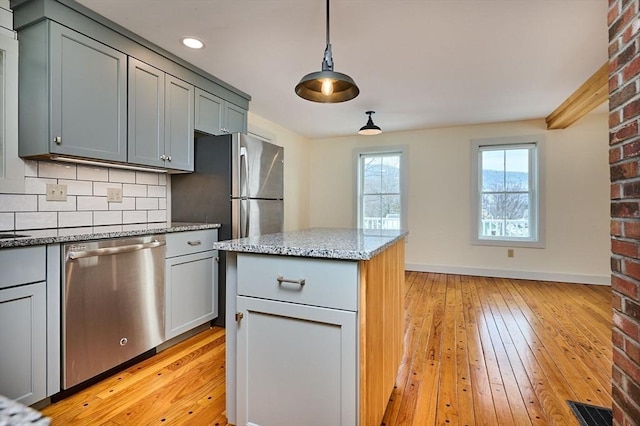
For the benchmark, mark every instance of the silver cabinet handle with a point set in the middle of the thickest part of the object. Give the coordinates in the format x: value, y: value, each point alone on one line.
x: 163, y: 157
x: 169, y: 157
x: 57, y: 140
x: 194, y: 242
x: 107, y: 251
x: 281, y: 280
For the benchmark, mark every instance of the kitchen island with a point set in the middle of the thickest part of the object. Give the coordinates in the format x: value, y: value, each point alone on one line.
x: 315, y: 325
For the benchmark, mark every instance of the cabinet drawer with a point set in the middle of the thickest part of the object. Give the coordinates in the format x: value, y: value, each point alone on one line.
x: 188, y: 242
x: 327, y: 283
x: 22, y: 265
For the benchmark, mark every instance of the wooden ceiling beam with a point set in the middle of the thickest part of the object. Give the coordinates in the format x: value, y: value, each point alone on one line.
x: 591, y: 94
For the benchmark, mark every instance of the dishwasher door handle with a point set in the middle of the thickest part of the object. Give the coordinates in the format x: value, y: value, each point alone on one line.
x: 107, y: 251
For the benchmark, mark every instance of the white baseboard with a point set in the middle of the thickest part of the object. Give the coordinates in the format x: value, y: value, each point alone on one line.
x: 506, y: 273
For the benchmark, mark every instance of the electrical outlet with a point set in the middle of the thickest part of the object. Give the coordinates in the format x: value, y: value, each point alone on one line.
x: 510, y: 252
x: 56, y: 192
x: 114, y: 195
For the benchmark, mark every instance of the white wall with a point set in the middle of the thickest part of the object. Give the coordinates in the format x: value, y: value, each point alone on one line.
x: 577, y: 199
x: 296, y: 169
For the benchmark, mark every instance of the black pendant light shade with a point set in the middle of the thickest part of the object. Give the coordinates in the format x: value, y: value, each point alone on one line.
x: 370, y: 128
x: 327, y: 86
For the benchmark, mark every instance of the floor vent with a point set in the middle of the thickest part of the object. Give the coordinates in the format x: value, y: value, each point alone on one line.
x: 591, y: 415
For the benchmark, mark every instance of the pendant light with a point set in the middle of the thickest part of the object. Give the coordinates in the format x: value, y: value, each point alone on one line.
x: 327, y: 86
x: 370, y: 128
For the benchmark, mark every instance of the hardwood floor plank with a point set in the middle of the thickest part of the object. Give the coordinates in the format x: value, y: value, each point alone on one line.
x: 477, y: 351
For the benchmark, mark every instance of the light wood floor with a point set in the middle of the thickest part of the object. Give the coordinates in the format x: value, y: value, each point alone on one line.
x: 478, y: 351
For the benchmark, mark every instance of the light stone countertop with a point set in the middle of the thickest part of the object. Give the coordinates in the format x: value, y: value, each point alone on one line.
x: 328, y: 243
x: 37, y: 237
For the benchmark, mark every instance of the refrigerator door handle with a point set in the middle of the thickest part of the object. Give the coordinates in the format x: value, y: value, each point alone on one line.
x: 244, y: 217
x: 244, y: 172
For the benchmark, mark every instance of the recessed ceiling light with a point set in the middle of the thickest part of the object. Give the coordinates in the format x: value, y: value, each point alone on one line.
x: 193, y: 43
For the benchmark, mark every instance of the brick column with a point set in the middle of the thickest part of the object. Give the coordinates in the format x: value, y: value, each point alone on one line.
x: 624, y: 153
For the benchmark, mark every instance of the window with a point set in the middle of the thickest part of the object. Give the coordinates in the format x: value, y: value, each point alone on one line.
x: 508, y: 191
x: 381, y: 188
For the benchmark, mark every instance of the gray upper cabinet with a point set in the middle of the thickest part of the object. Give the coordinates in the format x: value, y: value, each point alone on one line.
x: 216, y: 116
x: 81, y: 109
x: 178, y: 124
x: 146, y: 114
x: 160, y: 118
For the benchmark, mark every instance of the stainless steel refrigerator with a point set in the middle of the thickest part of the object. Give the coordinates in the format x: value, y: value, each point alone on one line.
x: 237, y: 182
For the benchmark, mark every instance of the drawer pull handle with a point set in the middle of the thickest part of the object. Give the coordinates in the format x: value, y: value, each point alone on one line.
x: 281, y: 280
x: 194, y: 243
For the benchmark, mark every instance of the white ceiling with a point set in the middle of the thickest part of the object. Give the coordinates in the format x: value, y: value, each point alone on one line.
x: 418, y: 63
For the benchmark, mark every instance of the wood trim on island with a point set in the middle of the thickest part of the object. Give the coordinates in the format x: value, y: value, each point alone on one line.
x: 381, y: 330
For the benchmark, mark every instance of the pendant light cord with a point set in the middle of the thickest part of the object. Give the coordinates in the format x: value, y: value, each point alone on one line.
x: 328, y: 41
x: 327, y: 62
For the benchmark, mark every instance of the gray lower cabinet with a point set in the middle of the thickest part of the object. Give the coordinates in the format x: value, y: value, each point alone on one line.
x: 191, y: 281
x: 73, y: 95
x: 216, y: 116
x: 160, y: 118
x: 297, y: 361
x: 23, y: 324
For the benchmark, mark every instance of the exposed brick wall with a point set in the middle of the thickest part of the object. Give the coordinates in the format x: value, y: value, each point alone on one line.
x: 624, y: 154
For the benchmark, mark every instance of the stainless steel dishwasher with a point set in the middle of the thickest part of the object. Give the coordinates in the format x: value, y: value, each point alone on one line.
x: 113, y: 303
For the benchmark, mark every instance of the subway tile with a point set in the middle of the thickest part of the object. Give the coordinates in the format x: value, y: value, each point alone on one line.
x: 162, y: 179
x: 93, y: 173
x: 92, y: 203
x: 111, y: 228
x: 7, y: 221
x: 69, y: 219
x: 128, y: 203
x: 146, y: 204
x: 77, y: 187
x: 56, y: 206
x: 100, y: 188
x: 35, y: 185
x: 18, y: 203
x: 157, y: 191
x: 50, y: 169
x: 31, y: 168
x: 76, y: 231
x: 36, y: 220
x: 162, y: 203
x: 157, y: 216
x: 107, y: 218
x: 146, y: 178
x: 123, y: 176
x: 129, y: 190
x: 135, y: 227
x: 134, y: 216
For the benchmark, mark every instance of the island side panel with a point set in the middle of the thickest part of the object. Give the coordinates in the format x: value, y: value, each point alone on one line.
x: 381, y: 330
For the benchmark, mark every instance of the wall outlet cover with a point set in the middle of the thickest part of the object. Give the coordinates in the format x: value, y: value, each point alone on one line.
x: 56, y: 192
x: 114, y: 195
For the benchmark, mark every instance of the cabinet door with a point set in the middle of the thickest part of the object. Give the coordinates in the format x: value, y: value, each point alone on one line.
x: 209, y: 112
x: 88, y: 97
x: 23, y: 343
x: 235, y: 119
x: 146, y: 114
x: 178, y: 124
x: 297, y: 364
x: 191, y: 292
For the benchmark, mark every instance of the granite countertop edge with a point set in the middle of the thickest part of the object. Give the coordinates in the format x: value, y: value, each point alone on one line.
x: 62, y: 235
x: 313, y: 249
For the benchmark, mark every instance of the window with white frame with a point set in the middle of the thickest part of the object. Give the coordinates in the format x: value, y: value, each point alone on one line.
x: 508, y: 191
x: 381, y: 188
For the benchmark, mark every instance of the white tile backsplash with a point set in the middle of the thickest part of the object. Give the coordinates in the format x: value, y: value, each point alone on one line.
x: 50, y: 169
x: 146, y: 204
x: 69, y: 219
x: 93, y: 173
x: 135, y: 216
x: 18, y: 203
x: 36, y: 220
x: 144, y: 198
x: 131, y: 190
x: 92, y: 203
x: 6, y: 221
x: 123, y: 176
x: 107, y: 218
x: 56, y: 206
